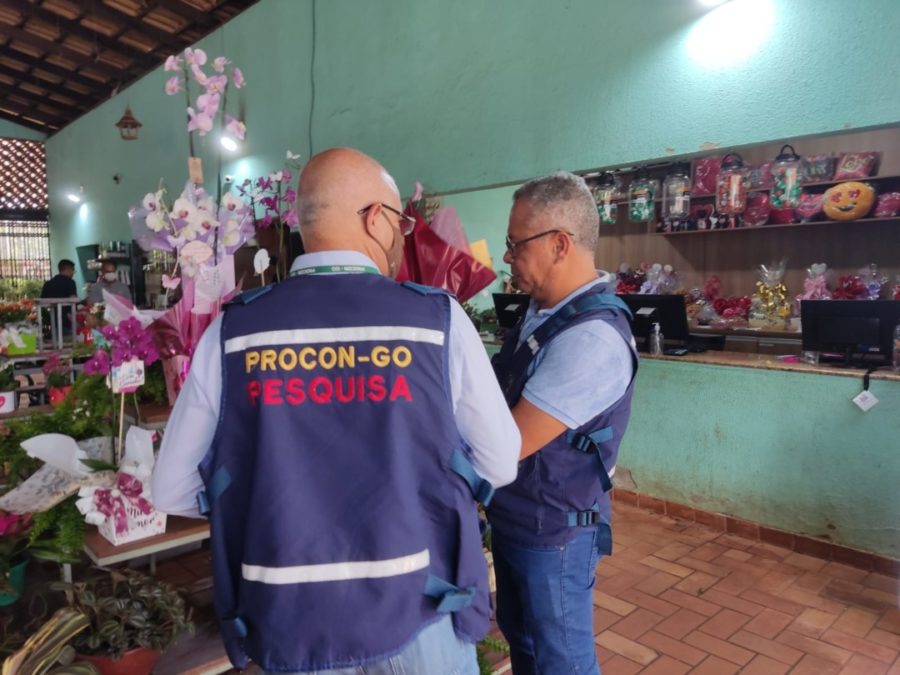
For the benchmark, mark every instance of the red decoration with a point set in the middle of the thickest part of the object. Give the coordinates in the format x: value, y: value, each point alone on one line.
x: 850, y: 287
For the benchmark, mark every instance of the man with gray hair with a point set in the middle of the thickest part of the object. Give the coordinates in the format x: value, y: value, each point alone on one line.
x: 567, y: 372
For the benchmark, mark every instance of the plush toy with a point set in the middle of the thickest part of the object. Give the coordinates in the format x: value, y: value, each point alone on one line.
x: 848, y: 201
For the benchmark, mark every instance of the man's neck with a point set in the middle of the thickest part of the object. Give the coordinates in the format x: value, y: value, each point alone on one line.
x: 565, y: 287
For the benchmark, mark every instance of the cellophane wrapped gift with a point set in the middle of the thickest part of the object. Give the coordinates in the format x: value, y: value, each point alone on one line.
x: 896, y: 292
x: 123, y: 512
x: 815, y: 286
x: 872, y: 281
x: 770, y: 302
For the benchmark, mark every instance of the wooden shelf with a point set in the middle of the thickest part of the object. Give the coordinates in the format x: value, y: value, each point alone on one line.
x: 761, y: 228
x: 824, y: 183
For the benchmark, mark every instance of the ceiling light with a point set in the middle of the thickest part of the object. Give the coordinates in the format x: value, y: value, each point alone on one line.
x: 228, y: 143
x: 76, y: 197
x: 711, y: 3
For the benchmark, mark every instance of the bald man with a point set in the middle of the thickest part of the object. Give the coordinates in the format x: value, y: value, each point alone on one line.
x: 337, y: 429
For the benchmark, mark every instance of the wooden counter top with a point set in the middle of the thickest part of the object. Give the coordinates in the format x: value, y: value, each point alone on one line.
x: 770, y: 362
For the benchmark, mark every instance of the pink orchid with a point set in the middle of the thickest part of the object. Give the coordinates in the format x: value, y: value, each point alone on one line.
x: 219, y: 64
x: 200, y: 122
x: 173, y: 85
x: 173, y: 63
x: 235, y: 127
x: 290, y: 218
x: 170, y: 283
x: 208, y: 104
x: 199, y: 75
x: 194, y: 56
x: 238, y: 77
x: 216, y: 84
x: 290, y: 196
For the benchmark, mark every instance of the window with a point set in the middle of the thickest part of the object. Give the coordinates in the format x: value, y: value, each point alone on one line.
x: 24, y: 226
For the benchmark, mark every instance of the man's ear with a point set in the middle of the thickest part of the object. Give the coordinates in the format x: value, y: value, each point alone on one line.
x: 370, y: 220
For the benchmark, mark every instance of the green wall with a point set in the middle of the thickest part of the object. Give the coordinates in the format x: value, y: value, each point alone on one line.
x: 470, y: 94
x: 12, y: 130
x: 785, y: 449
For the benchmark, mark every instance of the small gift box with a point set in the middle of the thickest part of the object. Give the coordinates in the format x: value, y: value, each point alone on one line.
x: 122, y: 513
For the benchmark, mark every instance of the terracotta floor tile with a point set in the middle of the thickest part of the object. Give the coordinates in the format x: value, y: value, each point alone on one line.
x: 882, y: 583
x: 809, y: 599
x: 860, y: 645
x: 841, y: 571
x: 806, y: 562
x: 822, y: 650
x: 738, y: 604
x: 890, y: 621
x: 637, y: 623
x: 704, y: 566
x: 674, y: 551
x: 882, y: 637
x: 775, y: 581
x: 810, y: 581
x: 604, y: 619
x: 724, y: 624
x: 734, y: 541
x: 769, y: 623
x: 630, y: 649
x: 713, y: 665
x: 697, y: 583
x: 736, y: 583
x: 674, y: 648
x: 619, y: 665
x: 613, y: 604
x: 680, y: 623
x: 641, y: 599
x: 855, y: 621
x: 737, y: 554
x: 691, y: 602
x: 863, y: 665
x: 813, y: 665
x: 772, y: 602
x: 763, y: 665
x: 666, y: 665
x: 895, y: 669
x: 667, y: 566
x: 709, y: 551
x: 777, y: 650
x: 720, y: 648
x: 657, y: 583
x: 814, y: 622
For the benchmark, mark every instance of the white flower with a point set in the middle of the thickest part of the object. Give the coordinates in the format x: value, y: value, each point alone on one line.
x: 151, y: 201
x: 183, y: 209
x: 231, y: 202
x: 207, y: 204
x: 290, y: 155
x: 156, y: 221
x: 232, y: 235
x: 276, y: 177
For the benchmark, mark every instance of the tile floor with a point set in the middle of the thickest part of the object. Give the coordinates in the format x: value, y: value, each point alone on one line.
x: 678, y: 597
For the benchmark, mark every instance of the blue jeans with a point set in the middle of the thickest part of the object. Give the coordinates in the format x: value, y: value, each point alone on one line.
x: 545, y: 603
x: 436, y: 651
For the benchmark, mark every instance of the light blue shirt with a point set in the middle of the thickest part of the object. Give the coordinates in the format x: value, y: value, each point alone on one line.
x: 582, y: 372
x: 481, y: 413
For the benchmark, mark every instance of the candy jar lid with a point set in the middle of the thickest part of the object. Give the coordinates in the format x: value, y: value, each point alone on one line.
x: 732, y: 161
x: 784, y: 156
x: 607, y: 180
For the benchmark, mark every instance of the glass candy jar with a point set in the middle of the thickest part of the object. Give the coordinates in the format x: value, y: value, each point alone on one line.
x: 732, y: 186
x: 642, y: 198
x: 605, y: 196
x: 676, y: 190
x: 786, y: 179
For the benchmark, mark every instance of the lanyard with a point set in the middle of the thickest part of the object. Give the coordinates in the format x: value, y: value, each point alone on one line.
x: 334, y: 269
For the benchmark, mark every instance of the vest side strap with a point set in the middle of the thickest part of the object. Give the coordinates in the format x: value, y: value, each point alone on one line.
x: 450, y: 598
x: 481, y: 489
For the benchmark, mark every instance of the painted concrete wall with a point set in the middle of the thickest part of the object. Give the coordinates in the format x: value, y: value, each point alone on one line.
x: 474, y: 93
x: 12, y: 130
x: 788, y: 450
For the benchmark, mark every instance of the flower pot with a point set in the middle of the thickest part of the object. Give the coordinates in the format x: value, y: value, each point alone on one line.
x: 17, y: 581
x: 137, y: 661
x: 7, y: 401
x: 58, y: 394
x: 29, y: 345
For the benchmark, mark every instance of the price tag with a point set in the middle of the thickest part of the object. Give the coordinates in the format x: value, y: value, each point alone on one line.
x: 865, y: 400
x: 127, y: 377
x: 195, y: 170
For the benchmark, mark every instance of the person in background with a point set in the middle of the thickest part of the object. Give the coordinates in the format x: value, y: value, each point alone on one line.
x: 62, y: 285
x: 107, y: 280
x: 337, y: 427
x: 567, y: 372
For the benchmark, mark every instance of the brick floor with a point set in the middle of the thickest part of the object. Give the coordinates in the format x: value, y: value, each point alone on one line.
x: 680, y: 597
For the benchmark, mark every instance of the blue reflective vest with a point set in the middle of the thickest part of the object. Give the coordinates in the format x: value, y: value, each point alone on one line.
x: 563, y: 487
x: 339, y: 493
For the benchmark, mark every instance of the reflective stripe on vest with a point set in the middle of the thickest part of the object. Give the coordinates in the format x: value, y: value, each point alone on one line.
x: 341, y: 571
x: 353, y: 334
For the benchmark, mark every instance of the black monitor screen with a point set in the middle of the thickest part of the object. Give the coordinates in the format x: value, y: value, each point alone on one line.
x: 850, y: 327
x: 669, y: 311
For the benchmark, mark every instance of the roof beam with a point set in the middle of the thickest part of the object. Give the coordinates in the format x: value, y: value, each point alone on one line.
x: 64, y: 73
x: 174, y: 42
x: 50, y: 47
x: 31, y: 78
x: 74, y: 27
x: 15, y: 119
x: 33, y: 113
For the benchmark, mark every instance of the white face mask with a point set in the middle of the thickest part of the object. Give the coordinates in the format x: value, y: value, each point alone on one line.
x: 110, y: 276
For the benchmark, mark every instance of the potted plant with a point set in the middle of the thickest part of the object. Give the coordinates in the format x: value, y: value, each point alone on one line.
x: 8, y: 386
x: 47, y: 651
x: 58, y: 374
x: 133, y: 619
x: 13, y: 556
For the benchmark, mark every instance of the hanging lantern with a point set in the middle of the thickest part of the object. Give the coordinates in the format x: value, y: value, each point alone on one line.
x: 128, y: 125
x: 786, y: 174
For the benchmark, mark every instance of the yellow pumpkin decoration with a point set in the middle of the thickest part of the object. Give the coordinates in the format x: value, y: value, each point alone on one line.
x: 848, y: 201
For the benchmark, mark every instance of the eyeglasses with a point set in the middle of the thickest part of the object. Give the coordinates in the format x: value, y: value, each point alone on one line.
x: 406, y: 224
x: 512, y: 246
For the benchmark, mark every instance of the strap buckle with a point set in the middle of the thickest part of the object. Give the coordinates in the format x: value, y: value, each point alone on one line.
x: 584, y: 518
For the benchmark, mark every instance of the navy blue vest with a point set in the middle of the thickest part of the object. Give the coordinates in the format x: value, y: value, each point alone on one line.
x: 340, y: 524
x: 563, y: 487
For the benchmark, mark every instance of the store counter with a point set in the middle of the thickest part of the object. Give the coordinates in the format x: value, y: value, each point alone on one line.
x: 773, y: 442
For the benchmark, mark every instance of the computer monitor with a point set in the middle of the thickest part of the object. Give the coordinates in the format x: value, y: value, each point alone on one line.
x: 510, y: 306
x: 669, y: 311
x: 856, y: 332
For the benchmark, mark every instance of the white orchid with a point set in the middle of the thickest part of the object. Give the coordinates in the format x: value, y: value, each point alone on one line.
x: 231, y: 202
x: 183, y: 209
x: 276, y: 177
x: 157, y: 221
